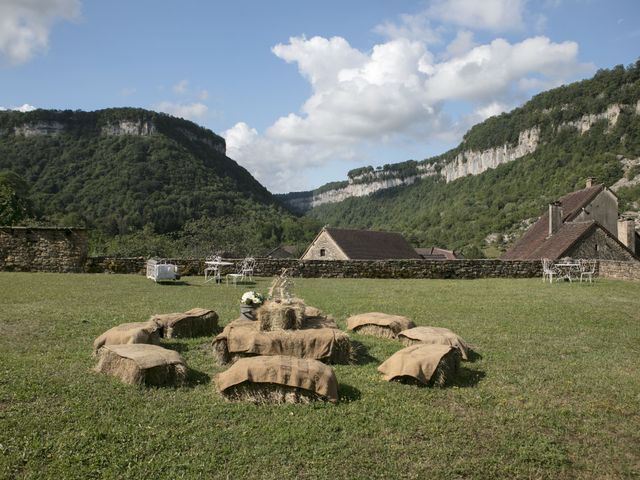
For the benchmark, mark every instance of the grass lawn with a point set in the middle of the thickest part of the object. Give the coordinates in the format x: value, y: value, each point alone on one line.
x: 556, y: 393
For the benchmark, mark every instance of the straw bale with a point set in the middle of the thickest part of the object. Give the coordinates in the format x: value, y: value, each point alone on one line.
x: 428, y: 364
x: 435, y: 335
x: 196, y: 322
x: 379, y: 324
x: 141, y: 364
x: 278, y: 379
x: 126, y: 333
x: 280, y: 315
x: 244, y: 339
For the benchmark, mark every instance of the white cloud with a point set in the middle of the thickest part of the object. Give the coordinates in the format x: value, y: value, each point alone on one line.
x: 181, y: 87
x: 25, y: 25
x: 493, y: 15
x: 411, y: 27
x: 489, y: 72
x: 394, y: 94
x: 189, y: 111
x: 25, y: 107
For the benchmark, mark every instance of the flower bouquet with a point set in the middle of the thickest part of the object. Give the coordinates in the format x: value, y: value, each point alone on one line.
x: 249, y: 303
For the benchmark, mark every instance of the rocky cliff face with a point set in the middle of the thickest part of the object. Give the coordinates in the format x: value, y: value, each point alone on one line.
x: 467, y: 162
x: 39, y: 128
x: 129, y: 127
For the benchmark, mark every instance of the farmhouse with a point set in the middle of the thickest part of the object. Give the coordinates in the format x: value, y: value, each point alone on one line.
x: 341, y: 244
x: 582, y: 224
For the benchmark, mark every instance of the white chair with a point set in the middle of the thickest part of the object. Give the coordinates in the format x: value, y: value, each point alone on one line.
x: 548, y: 270
x: 587, y: 269
x: 212, y: 269
x: 248, y: 265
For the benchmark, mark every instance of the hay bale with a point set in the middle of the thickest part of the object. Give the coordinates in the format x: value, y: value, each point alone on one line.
x: 140, y: 364
x: 379, y: 324
x: 128, y: 333
x: 196, y: 322
x: 278, y: 379
x: 431, y: 365
x: 241, y: 339
x: 435, y: 335
x: 280, y: 316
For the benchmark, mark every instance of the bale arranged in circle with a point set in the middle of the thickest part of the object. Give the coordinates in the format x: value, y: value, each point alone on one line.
x: 126, y: 333
x: 242, y: 338
x: 278, y: 379
x: 432, y: 365
x: 379, y: 324
x: 280, y: 315
x: 141, y: 364
x: 435, y: 335
x: 196, y: 322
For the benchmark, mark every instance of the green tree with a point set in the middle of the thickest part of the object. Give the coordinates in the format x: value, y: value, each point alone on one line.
x: 14, y: 198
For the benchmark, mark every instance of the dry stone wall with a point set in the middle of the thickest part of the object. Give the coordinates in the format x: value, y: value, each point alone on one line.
x: 619, y: 270
x: 42, y: 249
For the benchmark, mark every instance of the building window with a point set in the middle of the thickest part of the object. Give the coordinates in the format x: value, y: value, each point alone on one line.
x: 323, y: 252
x: 597, y: 247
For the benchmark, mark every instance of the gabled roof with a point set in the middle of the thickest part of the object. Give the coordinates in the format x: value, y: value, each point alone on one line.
x: 572, y: 204
x: 289, y: 249
x: 567, y: 235
x: 371, y: 245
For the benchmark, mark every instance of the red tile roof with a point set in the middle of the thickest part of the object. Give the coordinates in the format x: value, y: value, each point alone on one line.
x: 372, y: 245
x: 534, y: 238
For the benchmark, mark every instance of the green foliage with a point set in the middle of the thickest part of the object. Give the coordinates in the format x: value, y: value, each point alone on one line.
x: 554, y: 395
x: 460, y: 214
x: 14, y: 199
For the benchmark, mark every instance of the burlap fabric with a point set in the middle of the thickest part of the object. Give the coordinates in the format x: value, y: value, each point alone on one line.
x: 435, y: 335
x: 396, y: 323
x: 294, y: 372
x: 137, y: 332
x: 418, y: 361
x: 193, y: 323
x: 244, y: 337
x: 142, y: 364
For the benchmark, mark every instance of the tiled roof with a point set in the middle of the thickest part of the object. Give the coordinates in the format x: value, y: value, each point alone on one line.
x: 533, y: 238
x: 372, y: 245
x: 561, y: 241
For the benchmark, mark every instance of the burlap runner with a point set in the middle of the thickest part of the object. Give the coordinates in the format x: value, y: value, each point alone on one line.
x: 170, y: 319
x: 418, y: 361
x: 310, y: 375
x: 396, y: 323
x: 137, y: 332
x: 244, y: 337
x: 437, y: 335
x: 147, y: 356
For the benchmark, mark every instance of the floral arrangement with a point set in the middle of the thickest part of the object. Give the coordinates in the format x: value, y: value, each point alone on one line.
x: 252, y: 298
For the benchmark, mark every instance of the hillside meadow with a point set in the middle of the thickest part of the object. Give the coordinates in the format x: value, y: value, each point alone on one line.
x: 555, y: 394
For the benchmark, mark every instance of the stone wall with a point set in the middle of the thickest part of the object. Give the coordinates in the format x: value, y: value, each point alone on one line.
x: 619, y: 270
x: 266, y: 267
x: 42, y: 249
x: 599, y: 245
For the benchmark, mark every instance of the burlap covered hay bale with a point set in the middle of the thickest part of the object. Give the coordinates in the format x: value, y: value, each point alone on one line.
x: 379, y: 324
x: 435, y: 335
x: 196, y: 322
x: 126, y: 333
x: 432, y: 365
x: 278, y: 379
x: 280, y: 316
x: 140, y: 364
x: 242, y: 339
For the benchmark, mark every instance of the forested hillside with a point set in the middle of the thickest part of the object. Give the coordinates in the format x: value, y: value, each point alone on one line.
x: 143, y: 182
x: 576, y: 141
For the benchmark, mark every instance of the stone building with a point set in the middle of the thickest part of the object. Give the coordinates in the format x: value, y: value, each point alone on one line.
x: 45, y: 249
x: 342, y: 244
x: 582, y: 224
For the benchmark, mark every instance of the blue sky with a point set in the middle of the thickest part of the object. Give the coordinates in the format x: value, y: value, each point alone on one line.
x: 305, y: 91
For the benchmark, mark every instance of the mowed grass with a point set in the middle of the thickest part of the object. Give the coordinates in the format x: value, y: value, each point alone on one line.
x: 556, y: 393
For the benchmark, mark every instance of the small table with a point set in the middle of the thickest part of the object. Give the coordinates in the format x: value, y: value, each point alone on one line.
x: 215, y: 266
x: 566, y: 269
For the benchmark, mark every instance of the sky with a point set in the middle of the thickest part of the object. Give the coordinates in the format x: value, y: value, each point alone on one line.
x: 305, y: 91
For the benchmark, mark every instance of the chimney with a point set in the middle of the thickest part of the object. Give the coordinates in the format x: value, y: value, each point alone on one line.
x: 591, y: 181
x: 626, y: 233
x: 555, y: 217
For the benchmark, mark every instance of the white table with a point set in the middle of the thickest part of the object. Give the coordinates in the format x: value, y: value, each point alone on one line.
x: 566, y: 269
x: 215, y: 266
